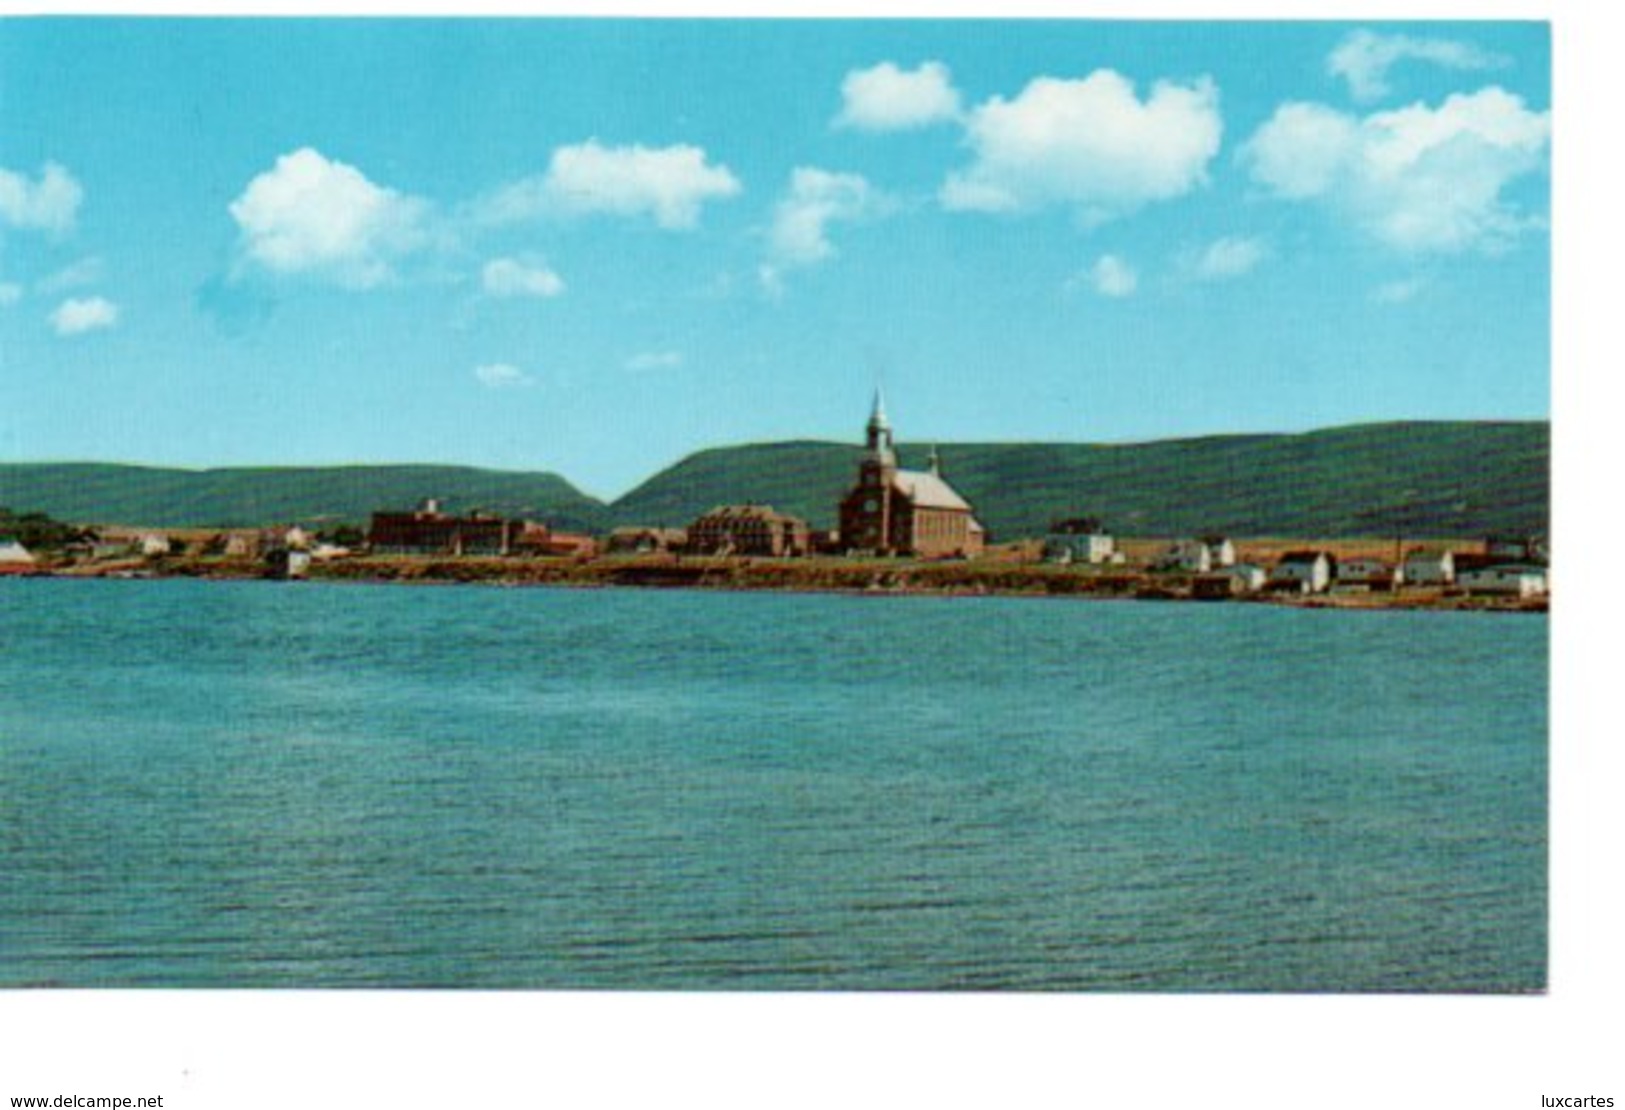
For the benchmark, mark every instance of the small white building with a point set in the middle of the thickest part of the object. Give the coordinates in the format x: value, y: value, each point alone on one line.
x: 1310, y: 571
x: 1221, y: 551
x: 14, y: 554
x: 1429, y: 568
x: 1368, y: 572
x: 1190, y: 556
x: 154, y: 543
x: 1504, y: 580
x: 1079, y: 541
x: 1248, y: 577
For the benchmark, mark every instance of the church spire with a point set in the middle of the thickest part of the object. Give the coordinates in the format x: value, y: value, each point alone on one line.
x: 878, y: 437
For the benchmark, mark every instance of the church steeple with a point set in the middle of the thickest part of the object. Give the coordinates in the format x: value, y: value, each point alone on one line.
x: 878, y: 436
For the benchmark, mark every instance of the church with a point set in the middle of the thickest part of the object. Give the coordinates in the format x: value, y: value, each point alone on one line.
x: 891, y: 511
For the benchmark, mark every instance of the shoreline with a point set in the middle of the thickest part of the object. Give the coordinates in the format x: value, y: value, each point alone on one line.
x: 876, y: 578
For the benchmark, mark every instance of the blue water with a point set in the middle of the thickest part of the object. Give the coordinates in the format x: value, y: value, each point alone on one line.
x: 258, y: 784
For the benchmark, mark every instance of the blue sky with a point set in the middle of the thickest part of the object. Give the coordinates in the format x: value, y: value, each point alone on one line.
x: 596, y: 246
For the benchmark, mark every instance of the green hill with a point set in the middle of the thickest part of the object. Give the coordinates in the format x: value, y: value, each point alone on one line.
x: 244, y: 497
x: 1458, y: 479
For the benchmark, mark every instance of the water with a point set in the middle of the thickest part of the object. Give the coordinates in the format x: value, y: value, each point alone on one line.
x: 255, y: 784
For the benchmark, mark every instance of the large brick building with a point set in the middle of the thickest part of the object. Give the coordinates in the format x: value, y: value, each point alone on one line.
x: 892, y: 511
x: 747, y: 530
x: 428, y: 531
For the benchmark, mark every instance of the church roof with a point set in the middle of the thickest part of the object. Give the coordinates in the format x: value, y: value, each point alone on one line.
x: 928, y: 491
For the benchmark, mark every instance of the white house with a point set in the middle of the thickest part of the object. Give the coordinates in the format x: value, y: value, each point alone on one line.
x: 1310, y: 571
x: 1504, y: 579
x: 1249, y: 577
x: 1429, y: 568
x: 14, y: 554
x: 1079, y: 541
x: 1191, y: 556
x: 1368, y: 572
x: 154, y: 543
x: 1221, y: 552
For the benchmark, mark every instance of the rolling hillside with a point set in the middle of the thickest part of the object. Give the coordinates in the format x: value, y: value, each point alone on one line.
x: 108, y: 494
x: 1461, y: 479
x: 1437, y: 479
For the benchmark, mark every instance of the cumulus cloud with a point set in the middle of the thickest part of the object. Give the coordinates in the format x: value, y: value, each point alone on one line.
x: 313, y: 216
x: 1416, y: 178
x: 1110, y: 276
x: 1228, y: 257
x: 886, y: 98
x: 1364, y: 58
x: 508, y: 277
x: 86, y: 271
x: 501, y: 375
x: 1092, y: 144
x: 815, y: 199
x: 48, y: 204
x: 10, y: 293
x: 76, y: 316
x: 670, y: 184
x: 655, y: 360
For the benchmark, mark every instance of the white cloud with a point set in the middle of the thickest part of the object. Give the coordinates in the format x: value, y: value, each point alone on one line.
x: 655, y: 360
x: 1228, y: 257
x: 1110, y: 276
x: 76, y: 316
x: 86, y: 271
x: 816, y: 198
x: 508, y: 277
x: 50, y: 204
x: 1417, y: 178
x: 1090, y: 143
x: 310, y: 215
x: 885, y: 98
x: 501, y: 375
x: 1364, y: 58
x: 671, y: 184
x: 10, y: 293
x: 1398, y: 292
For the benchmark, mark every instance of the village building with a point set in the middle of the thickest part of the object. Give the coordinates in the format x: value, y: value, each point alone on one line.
x: 1368, y: 573
x: 645, y: 541
x: 1429, y: 568
x: 1081, y: 540
x: 14, y: 557
x: 1504, y: 580
x: 1221, y: 550
x: 428, y: 531
x: 1308, y: 572
x: 748, y: 530
x: 1186, y: 556
x: 1234, y: 580
x: 535, y: 538
x: 892, y: 511
x: 1516, y: 549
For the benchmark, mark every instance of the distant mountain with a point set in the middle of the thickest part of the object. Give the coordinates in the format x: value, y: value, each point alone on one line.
x: 1447, y: 479
x: 97, y: 493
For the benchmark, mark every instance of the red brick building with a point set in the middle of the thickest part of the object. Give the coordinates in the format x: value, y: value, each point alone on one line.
x: 892, y: 511
x: 428, y: 531
x: 748, y: 530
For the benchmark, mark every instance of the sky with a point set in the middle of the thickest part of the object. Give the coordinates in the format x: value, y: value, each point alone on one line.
x: 596, y: 246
